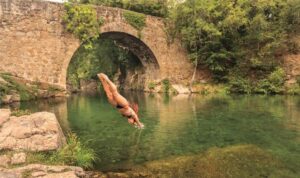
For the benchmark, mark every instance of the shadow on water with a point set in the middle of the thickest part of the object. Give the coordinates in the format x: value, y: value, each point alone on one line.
x: 182, y: 126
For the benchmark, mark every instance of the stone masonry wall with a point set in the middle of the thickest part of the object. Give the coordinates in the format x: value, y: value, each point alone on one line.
x: 32, y: 42
x: 34, y: 46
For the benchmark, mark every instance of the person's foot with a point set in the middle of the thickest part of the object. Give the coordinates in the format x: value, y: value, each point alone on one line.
x: 102, y: 76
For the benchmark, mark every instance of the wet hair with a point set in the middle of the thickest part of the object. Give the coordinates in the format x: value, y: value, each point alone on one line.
x: 135, y: 107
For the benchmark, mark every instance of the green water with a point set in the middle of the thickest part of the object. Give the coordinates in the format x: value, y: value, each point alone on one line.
x: 180, y: 125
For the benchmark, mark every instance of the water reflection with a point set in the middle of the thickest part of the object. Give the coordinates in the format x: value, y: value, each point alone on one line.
x: 180, y: 125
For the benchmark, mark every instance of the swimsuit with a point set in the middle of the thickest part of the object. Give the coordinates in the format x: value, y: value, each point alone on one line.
x: 121, y: 107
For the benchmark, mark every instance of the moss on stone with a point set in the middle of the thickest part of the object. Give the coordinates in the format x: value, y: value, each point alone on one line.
x: 19, y: 113
x: 136, y: 20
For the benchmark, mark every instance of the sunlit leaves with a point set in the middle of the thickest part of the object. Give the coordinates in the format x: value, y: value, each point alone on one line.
x: 81, y: 20
x: 224, y: 34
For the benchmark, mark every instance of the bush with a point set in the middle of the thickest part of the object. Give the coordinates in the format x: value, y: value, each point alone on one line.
x: 273, y: 84
x: 298, y: 79
x: 166, y: 85
x: 75, y: 153
x: 294, y: 90
x: 151, y: 86
x: 263, y: 87
x: 277, y: 77
x: 240, y: 85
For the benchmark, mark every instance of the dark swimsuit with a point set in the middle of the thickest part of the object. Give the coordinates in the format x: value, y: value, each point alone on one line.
x: 121, y: 107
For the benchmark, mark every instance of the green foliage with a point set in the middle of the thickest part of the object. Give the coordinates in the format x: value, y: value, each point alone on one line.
x: 244, y: 35
x: 294, y: 90
x: 26, y: 92
x: 166, y: 85
x: 73, y: 153
x: 105, y: 57
x: 151, y: 86
x: 19, y: 113
x: 274, y: 83
x: 137, y: 20
x: 240, y: 85
x: 277, y: 77
x: 151, y: 7
x: 26, y: 174
x: 298, y: 79
x: 271, y: 84
x: 81, y: 20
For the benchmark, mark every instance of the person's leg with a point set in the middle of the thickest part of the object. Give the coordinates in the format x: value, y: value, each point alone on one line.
x: 119, y: 99
x: 107, y: 90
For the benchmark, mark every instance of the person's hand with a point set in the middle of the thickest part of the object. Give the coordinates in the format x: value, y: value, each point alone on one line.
x: 139, y: 125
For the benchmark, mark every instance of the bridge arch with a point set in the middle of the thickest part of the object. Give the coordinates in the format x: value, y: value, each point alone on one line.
x: 35, y: 46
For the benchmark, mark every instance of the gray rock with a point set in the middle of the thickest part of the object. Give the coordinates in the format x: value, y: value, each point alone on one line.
x: 36, y: 132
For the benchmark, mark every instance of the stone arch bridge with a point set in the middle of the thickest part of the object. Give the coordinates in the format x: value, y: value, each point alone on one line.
x: 34, y: 45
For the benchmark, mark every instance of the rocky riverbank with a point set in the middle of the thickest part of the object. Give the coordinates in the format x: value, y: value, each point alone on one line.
x: 27, y: 139
x: 15, y: 89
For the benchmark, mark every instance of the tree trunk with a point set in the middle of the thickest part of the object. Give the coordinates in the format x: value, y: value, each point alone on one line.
x: 194, y: 74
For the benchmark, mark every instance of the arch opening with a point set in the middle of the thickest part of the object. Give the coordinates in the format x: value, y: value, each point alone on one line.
x: 127, y: 60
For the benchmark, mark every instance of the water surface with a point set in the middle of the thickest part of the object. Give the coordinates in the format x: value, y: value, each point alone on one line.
x: 180, y: 126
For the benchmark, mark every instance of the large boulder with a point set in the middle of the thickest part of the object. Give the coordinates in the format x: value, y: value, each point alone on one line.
x: 36, y: 132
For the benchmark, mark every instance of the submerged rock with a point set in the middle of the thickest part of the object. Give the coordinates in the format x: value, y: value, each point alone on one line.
x: 232, y: 161
x: 36, y: 132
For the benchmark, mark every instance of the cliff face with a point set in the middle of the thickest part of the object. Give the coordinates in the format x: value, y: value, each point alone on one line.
x: 292, y: 65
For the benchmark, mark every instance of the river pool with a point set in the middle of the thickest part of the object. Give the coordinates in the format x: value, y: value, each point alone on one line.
x: 179, y: 126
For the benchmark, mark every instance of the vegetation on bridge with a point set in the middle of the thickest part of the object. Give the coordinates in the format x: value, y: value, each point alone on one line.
x: 81, y: 20
x: 151, y: 7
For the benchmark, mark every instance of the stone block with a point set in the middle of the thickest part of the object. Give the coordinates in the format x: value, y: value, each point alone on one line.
x: 18, y: 158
